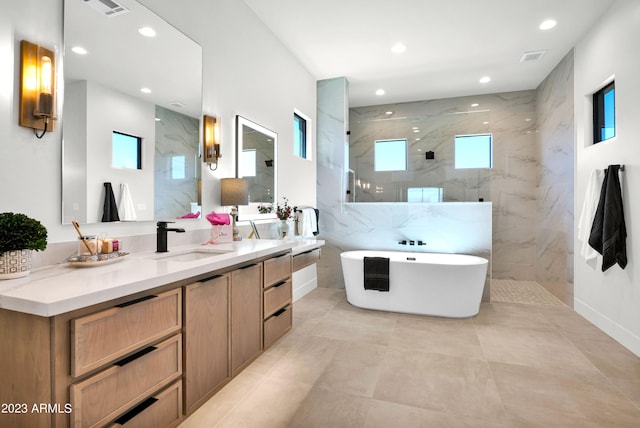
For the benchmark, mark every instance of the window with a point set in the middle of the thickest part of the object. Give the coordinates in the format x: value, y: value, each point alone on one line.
x: 390, y: 155
x: 473, y: 151
x: 178, y: 167
x: 425, y: 194
x: 604, y: 113
x: 126, y: 151
x: 301, y: 139
x: 248, y: 161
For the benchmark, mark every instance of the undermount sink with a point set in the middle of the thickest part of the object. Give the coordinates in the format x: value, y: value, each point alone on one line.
x: 189, y: 256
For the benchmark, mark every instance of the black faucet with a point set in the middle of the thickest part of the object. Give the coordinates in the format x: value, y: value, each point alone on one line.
x: 161, y: 235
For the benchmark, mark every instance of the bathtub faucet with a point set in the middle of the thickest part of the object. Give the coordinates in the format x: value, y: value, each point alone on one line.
x: 403, y: 242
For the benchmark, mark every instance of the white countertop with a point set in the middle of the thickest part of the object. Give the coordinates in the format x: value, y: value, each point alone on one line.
x: 57, y: 289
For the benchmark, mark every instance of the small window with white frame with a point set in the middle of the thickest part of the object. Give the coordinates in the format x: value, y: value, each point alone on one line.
x: 301, y: 135
x: 390, y: 155
x: 473, y: 151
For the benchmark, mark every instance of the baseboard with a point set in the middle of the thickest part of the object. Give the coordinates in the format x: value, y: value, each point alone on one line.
x: 613, y: 329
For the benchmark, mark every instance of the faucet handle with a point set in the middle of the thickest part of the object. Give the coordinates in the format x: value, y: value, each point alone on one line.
x: 403, y: 242
x: 163, y: 224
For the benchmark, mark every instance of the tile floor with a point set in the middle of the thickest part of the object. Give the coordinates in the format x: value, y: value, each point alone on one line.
x: 513, y: 365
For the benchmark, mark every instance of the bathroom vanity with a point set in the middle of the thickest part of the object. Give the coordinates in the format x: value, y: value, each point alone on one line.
x: 144, y: 341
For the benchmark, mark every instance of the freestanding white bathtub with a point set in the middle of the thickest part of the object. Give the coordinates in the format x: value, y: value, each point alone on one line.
x: 445, y: 285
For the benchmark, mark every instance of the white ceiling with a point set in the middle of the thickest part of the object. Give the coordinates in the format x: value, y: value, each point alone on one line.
x: 451, y: 44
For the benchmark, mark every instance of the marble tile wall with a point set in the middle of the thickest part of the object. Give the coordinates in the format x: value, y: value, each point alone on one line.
x: 510, y: 185
x: 176, y: 135
x: 427, y: 126
x: 447, y: 227
x: 554, y: 187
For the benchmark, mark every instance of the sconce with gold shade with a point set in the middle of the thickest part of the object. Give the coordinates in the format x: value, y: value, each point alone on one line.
x: 211, y: 141
x: 37, y: 87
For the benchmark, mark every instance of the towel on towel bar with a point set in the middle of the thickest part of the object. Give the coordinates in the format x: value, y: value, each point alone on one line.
x: 308, y: 222
x: 609, y: 233
x: 126, y: 209
x: 110, y: 209
x: 589, y: 207
x: 376, y: 273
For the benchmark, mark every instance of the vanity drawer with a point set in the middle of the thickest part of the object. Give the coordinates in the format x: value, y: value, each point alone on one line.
x: 131, y: 380
x: 305, y: 259
x: 276, y: 326
x: 277, y: 269
x: 277, y: 297
x: 101, y: 338
x: 162, y: 410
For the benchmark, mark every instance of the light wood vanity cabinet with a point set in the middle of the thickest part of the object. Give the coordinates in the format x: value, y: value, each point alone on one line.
x: 206, y: 339
x: 277, y: 298
x: 144, y: 359
x: 246, y: 316
x: 121, y: 342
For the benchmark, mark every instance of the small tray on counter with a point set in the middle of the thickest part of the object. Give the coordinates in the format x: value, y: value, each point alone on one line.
x: 91, y: 261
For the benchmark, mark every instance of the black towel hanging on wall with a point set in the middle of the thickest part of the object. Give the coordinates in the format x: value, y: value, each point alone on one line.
x: 110, y: 210
x: 609, y: 233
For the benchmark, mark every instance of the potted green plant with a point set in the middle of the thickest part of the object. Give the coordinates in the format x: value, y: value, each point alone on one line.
x: 19, y: 236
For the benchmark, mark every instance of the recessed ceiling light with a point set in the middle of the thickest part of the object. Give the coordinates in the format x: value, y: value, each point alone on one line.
x: 485, y: 123
x: 415, y: 127
x: 485, y: 79
x: 474, y: 105
x: 389, y: 112
x: 147, y: 31
x: 548, y: 24
x: 380, y: 92
x: 398, y: 48
x: 416, y: 130
x: 145, y: 90
x: 79, y: 50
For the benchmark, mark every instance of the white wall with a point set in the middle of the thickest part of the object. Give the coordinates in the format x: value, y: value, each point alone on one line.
x: 246, y: 71
x: 611, y: 299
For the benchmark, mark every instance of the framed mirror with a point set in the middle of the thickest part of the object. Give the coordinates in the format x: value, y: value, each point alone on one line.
x: 257, y: 162
x: 131, y: 117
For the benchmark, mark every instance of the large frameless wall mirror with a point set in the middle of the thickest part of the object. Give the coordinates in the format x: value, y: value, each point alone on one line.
x: 257, y: 163
x: 129, y: 73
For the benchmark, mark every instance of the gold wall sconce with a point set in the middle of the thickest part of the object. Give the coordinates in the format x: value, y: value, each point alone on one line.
x: 211, y: 141
x: 37, y: 88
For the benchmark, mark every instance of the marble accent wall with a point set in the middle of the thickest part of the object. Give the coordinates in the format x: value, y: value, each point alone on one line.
x: 446, y: 227
x: 510, y: 185
x: 513, y: 184
x: 427, y: 126
x: 177, y: 135
x: 555, y: 183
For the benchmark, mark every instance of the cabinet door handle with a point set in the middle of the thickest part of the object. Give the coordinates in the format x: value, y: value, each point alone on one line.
x: 135, y: 411
x: 280, y: 312
x: 210, y: 278
x: 134, y: 301
x: 281, y: 255
x: 307, y: 252
x: 249, y: 266
x: 133, y: 357
x: 281, y: 283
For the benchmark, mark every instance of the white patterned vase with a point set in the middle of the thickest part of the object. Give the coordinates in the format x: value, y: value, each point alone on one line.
x: 15, y: 264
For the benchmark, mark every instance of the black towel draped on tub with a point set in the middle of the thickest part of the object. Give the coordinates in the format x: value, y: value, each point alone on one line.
x: 376, y: 273
x: 608, y: 232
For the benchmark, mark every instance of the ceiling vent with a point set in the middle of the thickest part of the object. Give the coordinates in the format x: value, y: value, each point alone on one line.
x: 107, y: 7
x: 176, y: 104
x: 532, y: 56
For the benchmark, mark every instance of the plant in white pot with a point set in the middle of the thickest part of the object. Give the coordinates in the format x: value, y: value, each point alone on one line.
x: 19, y: 236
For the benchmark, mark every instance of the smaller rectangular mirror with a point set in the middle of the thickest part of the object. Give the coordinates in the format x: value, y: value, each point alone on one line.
x: 256, y: 161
